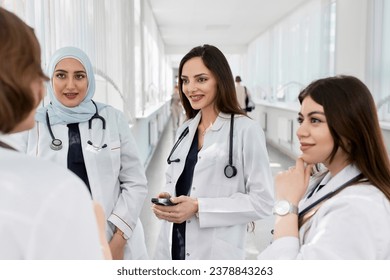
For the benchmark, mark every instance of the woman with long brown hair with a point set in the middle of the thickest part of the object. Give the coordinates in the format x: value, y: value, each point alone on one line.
x: 344, y: 210
x: 219, y: 175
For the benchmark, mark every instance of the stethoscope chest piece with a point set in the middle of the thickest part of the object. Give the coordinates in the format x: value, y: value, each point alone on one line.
x: 56, y: 144
x: 230, y: 171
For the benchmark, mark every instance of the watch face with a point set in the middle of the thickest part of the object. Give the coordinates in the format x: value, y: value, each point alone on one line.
x: 282, y: 207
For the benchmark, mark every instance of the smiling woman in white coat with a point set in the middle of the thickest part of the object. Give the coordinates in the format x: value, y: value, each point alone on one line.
x: 94, y: 141
x: 218, y: 176
x: 41, y: 204
x: 344, y: 210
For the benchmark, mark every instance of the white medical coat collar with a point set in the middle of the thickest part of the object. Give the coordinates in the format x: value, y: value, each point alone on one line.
x: 332, y: 184
x: 219, y: 121
x: 192, y: 124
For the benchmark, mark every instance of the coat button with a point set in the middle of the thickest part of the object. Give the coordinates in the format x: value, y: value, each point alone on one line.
x: 189, y: 221
x: 188, y: 254
x: 193, y: 188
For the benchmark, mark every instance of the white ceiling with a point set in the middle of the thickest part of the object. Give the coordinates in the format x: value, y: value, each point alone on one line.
x: 227, y: 24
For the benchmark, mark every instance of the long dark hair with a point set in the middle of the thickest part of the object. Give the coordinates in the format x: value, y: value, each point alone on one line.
x: 352, y: 119
x: 215, y: 61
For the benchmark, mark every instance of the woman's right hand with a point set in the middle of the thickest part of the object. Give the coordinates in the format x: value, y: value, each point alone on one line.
x: 184, y: 209
x: 160, y: 211
x: 164, y: 195
x: 291, y: 184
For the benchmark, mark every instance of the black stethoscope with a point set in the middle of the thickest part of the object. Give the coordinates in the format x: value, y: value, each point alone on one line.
x: 230, y: 170
x: 56, y: 144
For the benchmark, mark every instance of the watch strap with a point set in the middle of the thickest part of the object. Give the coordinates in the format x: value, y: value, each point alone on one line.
x: 293, y: 209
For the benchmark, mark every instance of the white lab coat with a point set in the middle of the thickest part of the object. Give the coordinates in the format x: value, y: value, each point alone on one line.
x: 226, y: 206
x: 45, y: 212
x: 116, y: 174
x: 354, y: 224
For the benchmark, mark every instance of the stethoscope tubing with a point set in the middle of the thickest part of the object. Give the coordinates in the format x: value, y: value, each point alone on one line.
x: 181, y: 137
x: 230, y: 170
x: 56, y: 144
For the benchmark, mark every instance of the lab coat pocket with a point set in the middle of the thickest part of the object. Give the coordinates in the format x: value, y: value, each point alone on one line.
x: 205, y: 161
x: 213, y: 156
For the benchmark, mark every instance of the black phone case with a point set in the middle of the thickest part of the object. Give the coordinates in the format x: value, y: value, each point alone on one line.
x: 162, y: 201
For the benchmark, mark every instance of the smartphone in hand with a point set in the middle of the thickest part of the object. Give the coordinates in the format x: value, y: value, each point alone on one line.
x: 163, y: 201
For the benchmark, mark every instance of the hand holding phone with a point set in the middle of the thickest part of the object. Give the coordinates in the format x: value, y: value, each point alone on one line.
x: 163, y: 201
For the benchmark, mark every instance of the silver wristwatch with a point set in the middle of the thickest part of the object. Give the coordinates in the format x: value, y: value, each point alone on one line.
x: 284, y: 207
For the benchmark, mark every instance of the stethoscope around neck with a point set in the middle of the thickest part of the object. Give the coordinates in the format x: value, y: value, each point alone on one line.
x: 230, y: 170
x: 56, y: 144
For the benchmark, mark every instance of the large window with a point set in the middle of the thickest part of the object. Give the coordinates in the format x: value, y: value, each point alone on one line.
x: 120, y: 37
x: 385, y: 92
x: 378, y: 70
x: 292, y: 53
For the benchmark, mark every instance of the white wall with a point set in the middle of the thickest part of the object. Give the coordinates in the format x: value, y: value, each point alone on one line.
x: 279, y: 123
x: 351, y: 37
